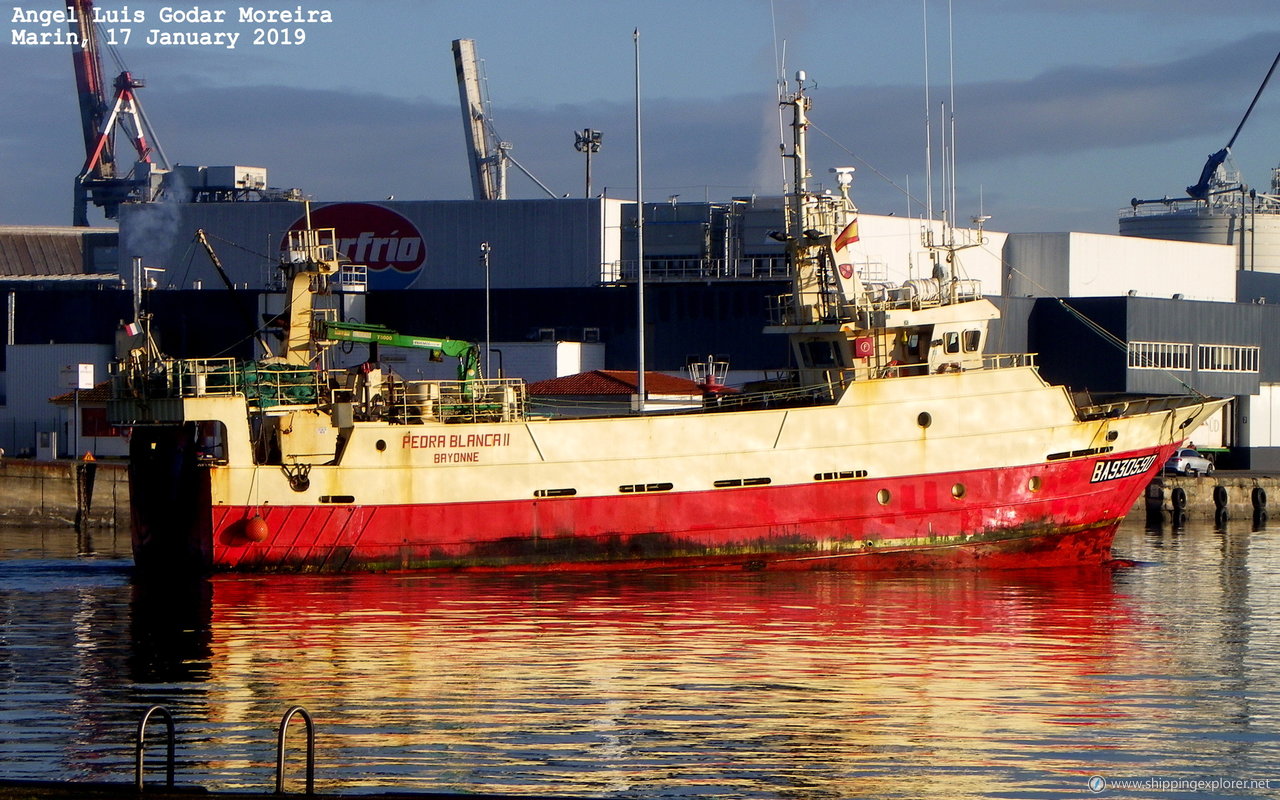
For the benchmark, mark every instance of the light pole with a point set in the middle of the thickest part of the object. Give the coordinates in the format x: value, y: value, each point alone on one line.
x: 484, y: 262
x: 587, y: 141
x: 641, y: 391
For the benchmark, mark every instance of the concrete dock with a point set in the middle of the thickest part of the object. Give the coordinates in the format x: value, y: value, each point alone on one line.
x: 61, y: 493
x: 1220, y: 496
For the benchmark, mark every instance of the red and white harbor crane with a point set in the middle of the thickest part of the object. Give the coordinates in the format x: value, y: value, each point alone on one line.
x: 102, y: 178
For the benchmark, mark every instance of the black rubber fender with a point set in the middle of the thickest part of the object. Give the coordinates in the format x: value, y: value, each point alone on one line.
x: 1179, y: 498
x: 1220, y: 497
x: 1259, y: 498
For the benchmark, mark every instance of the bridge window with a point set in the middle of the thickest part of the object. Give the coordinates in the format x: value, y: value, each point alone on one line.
x: 821, y: 353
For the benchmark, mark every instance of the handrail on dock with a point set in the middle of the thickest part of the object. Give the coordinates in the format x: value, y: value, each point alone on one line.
x: 311, y: 749
x: 142, y: 729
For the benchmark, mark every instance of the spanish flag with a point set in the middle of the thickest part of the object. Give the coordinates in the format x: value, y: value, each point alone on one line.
x: 847, y: 236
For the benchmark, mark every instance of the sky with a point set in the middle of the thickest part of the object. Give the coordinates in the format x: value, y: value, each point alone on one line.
x: 1059, y: 111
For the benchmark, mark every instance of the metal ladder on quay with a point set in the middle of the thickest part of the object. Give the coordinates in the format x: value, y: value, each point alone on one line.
x: 170, y: 790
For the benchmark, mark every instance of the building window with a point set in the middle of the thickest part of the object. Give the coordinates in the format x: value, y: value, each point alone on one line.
x: 1228, y: 358
x: 1159, y: 355
x: 93, y: 422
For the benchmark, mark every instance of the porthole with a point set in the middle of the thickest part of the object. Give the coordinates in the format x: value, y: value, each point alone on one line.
x: 925, y: 419
x: 883, y: 497
x: 957, y: 490
x: 1034, y: 483
x: 1112, y: 435
x: 380, y: 445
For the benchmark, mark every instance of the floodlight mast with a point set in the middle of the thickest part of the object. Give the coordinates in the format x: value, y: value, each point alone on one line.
x: 587, y: 141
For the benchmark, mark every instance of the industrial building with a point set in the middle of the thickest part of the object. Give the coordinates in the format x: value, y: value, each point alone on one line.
x: 1226, y: 212
x: 1137, y: 316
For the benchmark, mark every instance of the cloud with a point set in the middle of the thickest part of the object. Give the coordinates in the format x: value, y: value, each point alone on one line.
x: 346, y: 144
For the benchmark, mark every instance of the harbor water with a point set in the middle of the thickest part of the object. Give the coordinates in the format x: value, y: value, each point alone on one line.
x: 1157, y: 680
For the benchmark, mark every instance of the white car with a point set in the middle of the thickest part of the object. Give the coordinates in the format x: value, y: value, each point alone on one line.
x: 1189, y: 462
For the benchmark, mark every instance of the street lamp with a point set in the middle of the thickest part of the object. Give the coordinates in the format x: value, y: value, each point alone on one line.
x: 587, y: 141
x: 484, y: 262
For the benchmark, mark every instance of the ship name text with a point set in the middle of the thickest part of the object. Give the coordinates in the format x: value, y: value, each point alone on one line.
x: 451, y: 443
x: 1114, y: 469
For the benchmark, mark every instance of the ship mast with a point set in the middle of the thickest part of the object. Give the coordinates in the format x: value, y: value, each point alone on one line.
x: 811, y: 226
x: 801, y: 236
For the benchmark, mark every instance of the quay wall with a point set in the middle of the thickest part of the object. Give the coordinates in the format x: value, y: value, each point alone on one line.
x: 1222, y: 495
x: 46, y: 492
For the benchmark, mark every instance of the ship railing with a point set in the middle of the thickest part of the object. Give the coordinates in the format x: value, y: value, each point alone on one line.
x: 1086, y: 410
x: 878, y: 297
x: 174, y: 377
x: 353, y: 278
x: 206, y: 377
x: 989, y: 361
x: 486, y: 400
x: 783, y: 390
x: 274, y: 385
x: 263, y: 385
x: 311, y: 244
x: 674, y: 270
x: 1228, y: 202
x: 1008, y: 360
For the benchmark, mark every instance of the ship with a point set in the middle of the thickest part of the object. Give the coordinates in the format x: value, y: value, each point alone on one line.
x: 897, y: 442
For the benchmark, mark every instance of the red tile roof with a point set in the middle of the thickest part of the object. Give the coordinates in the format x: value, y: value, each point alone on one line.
x: 100, y: 393
x: 614, y: 381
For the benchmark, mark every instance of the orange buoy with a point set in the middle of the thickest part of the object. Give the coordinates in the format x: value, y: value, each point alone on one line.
x: 255, y: 529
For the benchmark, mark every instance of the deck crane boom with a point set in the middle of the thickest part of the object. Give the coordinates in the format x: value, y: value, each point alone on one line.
x: 203, y: 240
x: 1200, y: 190
x: 467, y: 353
x: 100, y: 178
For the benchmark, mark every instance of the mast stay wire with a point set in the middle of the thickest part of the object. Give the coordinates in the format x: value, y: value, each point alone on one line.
x: 1106, y: 335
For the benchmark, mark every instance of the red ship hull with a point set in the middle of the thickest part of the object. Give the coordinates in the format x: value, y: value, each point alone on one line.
x: 1057, y: 514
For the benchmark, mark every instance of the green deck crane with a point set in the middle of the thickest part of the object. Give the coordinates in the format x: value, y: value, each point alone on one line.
x: 467, y: 353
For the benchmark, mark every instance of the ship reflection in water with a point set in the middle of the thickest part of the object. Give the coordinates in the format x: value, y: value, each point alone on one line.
x: 752, y: 685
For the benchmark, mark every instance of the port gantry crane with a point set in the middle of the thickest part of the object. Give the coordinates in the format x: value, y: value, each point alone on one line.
x: 100, y: 178
x: 487, y: 153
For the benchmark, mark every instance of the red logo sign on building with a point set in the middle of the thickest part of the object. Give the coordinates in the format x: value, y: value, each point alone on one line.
x: 391, y: 246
